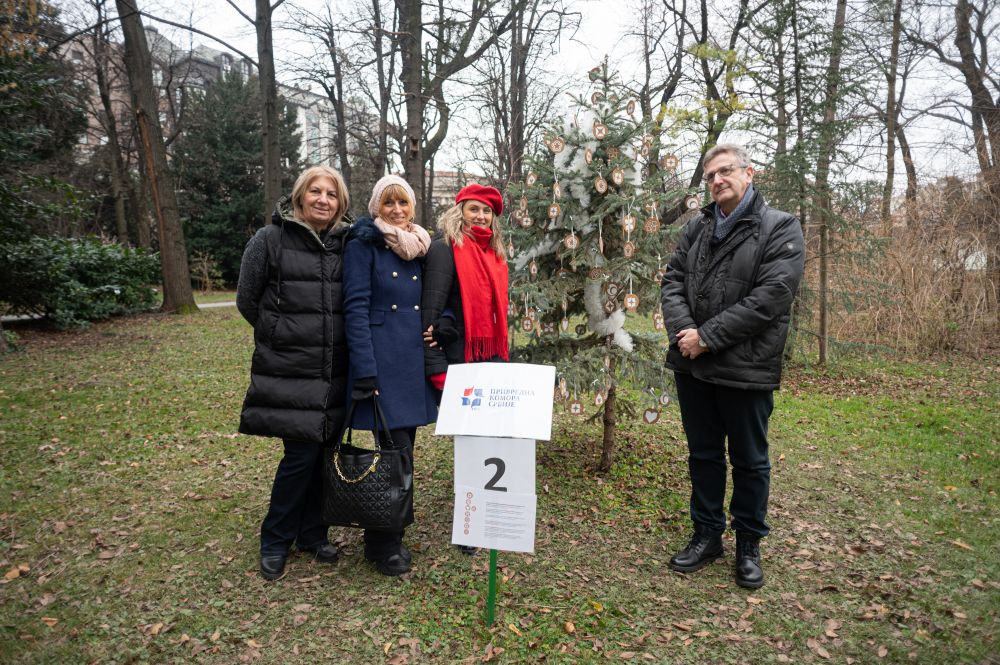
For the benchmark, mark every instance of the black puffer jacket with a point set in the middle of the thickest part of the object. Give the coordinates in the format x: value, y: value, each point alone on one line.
x: 441, y: 292
x: 738, y: 294
x: 298, y: 375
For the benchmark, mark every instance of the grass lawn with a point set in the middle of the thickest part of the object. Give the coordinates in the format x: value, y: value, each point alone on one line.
x: 129, y: 511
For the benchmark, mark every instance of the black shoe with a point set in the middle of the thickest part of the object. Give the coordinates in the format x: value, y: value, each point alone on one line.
x: 392, y: 564
x: 749, y: 574
x: 325, y: 553
x: 468, y: 550
x: 272, y: 567
x: 702, y: 550
x: 405, y: 554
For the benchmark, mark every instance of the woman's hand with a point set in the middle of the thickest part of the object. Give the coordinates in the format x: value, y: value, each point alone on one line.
x: 429, y: 337
x: 364, y: 388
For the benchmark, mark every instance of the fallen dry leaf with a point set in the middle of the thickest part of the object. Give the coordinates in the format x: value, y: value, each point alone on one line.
x: 215, y: 636
x: 882, y: 651
x: 817, y: 648
x: 253, y: 644
x: 185, y: 638
x: 50, y: 621
x: 155, y: 629
x: 12, y: 574
x: 514, y: 630
x: 959, y: 543
x: 569, y: 627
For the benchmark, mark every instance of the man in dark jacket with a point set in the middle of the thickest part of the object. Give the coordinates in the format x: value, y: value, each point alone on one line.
x: 726, y: 297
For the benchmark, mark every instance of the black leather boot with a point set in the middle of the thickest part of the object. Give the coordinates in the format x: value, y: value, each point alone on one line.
x: 703, y: 549
x: 272, y: 567
x: 749, y: 574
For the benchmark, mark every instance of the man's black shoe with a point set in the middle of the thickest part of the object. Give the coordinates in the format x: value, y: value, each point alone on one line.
x: 749, y: 574
x: 405, y: 554
x: 467, y: 549
x: 701, y: 551
x: 272, y: 567
x: 392, y: 565
x: 325, y: 553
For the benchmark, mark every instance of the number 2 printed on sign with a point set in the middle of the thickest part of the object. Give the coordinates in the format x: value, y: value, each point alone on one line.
x: 501, y: 467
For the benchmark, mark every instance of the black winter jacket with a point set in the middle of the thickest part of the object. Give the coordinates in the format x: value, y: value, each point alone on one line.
x: 298, y: 375
x: 737, y: 294
x: 441, y: 292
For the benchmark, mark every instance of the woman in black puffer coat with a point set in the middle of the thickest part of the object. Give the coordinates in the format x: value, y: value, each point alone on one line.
x: 290, y: 291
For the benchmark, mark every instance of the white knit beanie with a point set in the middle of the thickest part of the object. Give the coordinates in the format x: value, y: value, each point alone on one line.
x: 384, y: 183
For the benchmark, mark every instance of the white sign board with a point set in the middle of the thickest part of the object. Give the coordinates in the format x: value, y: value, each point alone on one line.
x: 497, y: 399
x: 498, y: 465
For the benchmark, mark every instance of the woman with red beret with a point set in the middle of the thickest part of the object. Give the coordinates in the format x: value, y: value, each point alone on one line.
x: 464, y: 300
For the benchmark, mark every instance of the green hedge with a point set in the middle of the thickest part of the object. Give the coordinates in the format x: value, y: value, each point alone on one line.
x: 76, y: 280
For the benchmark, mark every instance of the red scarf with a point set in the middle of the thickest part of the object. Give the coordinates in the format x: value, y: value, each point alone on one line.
x: 482, y: 281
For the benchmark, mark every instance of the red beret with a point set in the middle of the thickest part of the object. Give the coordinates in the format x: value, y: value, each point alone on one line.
x: 488, y: 195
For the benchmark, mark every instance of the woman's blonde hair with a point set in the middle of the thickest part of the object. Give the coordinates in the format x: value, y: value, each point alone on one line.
x: 453, y: 227
x: 305, y: 179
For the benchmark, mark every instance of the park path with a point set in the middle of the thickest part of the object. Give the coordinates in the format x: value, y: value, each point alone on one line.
x: 11, y: 318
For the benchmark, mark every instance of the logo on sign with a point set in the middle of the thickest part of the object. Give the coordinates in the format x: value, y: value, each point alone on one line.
x: 495, y: 398
x: 472, y: 397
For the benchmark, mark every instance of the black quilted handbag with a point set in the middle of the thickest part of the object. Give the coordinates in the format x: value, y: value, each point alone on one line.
x: 368, y: 489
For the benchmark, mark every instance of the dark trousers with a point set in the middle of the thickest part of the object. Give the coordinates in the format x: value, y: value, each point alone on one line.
x: 295, y: 512
x: 712, y: 414
x: 385, y: 543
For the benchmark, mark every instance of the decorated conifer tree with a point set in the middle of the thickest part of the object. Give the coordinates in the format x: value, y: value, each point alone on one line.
x: 588, y: 251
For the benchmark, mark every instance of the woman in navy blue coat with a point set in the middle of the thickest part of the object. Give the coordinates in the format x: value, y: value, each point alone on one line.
x: 383, y: 281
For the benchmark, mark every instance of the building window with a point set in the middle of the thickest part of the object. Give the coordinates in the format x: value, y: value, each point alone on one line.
x: 76, y: 56
x: 157, y: 76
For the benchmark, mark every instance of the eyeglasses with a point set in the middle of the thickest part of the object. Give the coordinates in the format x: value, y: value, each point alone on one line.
x: 724, y: 172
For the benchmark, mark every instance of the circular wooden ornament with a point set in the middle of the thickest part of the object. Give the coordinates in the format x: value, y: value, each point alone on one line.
x: 554, y: 210
x: 595, y: 273
x: 613, y: 98
x: 658, y: 321
x: 525, y: 221
x: 575, y: 407
x: 598, y: 399
x: 628, y: 223
x: 594, y: 73
x: 668, y: 162
x: 588, y: 155
x: 610, y: 307
x: 581, y: 329
x: 533, y: 268
x: 613, y: 153
x: 617, y: 175
x: 612, y: 290
x: 692, y: 203
x: 600, y: 130
x: 628, y: 249
x: 523, y: 204
x: 511, y: 309
x: 631, y: 302
x: 531, y: 178
x: 630, y: 107
x: 527, y: 324
x: 650, y: 416
x: 651, y: 225
x: 557, y: 144
x: 549, y: 328
x: 571, y: 241
x: 597, y: 97
x: 532, y: 313
x: 562, y: 383
x: 664, y: 399
x: 601, y: 185
x: 557, y: 190
x: 564, y: 324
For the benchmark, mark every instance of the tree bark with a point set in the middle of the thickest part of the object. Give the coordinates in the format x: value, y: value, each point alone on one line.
x: 269, y: 112
x: 411, y: 50
x: 828, y: 137
x: 609, y: 420
x: 891, y: 113
x: 177, y: 294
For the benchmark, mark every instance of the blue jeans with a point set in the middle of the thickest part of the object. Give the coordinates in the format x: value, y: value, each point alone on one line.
x: 713, y: 414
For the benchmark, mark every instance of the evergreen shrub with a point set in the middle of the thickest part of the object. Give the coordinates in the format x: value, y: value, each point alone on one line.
x: 76, y: 280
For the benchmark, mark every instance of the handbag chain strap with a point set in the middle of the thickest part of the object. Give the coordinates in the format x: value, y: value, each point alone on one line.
x: 378, y: 414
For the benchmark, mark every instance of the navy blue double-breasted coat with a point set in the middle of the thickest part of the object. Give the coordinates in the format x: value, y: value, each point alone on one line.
x: 382, y: 321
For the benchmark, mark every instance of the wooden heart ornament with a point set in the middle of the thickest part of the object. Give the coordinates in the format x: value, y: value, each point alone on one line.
x: 651, y: 416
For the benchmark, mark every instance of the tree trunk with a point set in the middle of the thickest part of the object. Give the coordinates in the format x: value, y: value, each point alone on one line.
x: 911, y: 174
x: 116, y: 166
x: 270, y: 126
x: 609, y: 421
x: 823, y: 169
x: 411, y: 47
x: 891, y: 112
x: 177, y: 293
